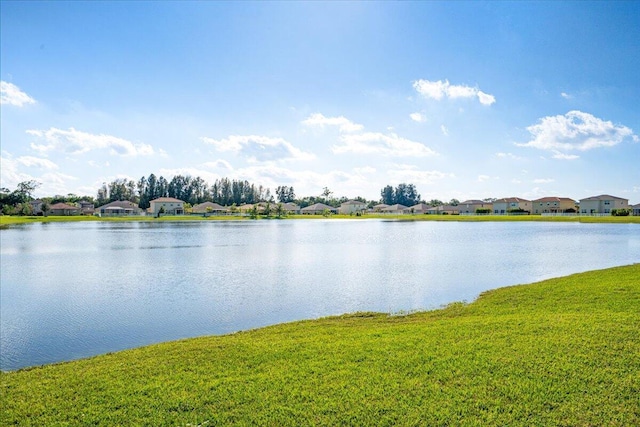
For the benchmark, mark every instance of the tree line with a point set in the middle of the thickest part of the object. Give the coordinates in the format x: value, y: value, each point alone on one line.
x: 195, y: 190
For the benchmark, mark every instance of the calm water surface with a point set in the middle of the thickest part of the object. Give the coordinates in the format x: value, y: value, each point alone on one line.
x: 71, y: 290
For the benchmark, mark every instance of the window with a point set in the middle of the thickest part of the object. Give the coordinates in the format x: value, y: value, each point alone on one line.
x: 607, y: 202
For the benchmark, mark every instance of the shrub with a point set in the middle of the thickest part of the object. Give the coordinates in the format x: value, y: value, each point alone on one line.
x: 620, y: 212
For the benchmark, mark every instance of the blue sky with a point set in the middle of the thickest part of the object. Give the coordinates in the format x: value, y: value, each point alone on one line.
x: 465, y: 100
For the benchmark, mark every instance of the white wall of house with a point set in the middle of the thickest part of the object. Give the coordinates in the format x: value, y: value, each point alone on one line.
x: 602, y: 204
x: 352, y: 206
x: 171, y: 206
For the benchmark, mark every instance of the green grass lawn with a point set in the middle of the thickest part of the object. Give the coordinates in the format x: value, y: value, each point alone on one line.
x: 562, y: 352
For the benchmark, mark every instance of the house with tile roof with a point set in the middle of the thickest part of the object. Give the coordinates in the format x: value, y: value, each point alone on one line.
x: 63, y: 209
x: 470, y: 207
x: 118, y: 208
x: 395, y: 209
x: 166, y: 206
x: 318, y: 209
x: 553, y: 205
x: 352, y: 206
x: 511, y: 204
x: 420, y: 208
x: 291, y: 208
x: 443, y: 210
x: 209, y: 208
x: 379, y: 207
x: 602, y: 204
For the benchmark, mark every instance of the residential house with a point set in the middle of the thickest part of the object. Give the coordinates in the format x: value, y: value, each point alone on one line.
x: 420, y: 208
x: 291, y: 208
x: 36, y: 207
x: 352, y: 206
x: 209, y: 208
x: 443, y: 210
x: 470, y: 207
x: 553, y: 205
x: 511, y: 205
x: 86, y: 207
x: 318, y: 209
x: 395, y: 209
x: 379, y: 207
x: 168, y: 206
x: 635, y: 210
x: 118, y: 208
x: 63, y: 209
x: 247, y: 207
x: 602, y: 204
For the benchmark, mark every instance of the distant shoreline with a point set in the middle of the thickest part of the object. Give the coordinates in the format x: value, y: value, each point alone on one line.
x: 6, y: 221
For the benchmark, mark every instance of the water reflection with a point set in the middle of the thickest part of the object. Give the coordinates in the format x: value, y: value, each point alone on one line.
x: 71, y: 290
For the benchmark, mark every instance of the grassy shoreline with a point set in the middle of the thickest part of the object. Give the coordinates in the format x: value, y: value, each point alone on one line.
x: 17, y: 220
x: 563, y: 351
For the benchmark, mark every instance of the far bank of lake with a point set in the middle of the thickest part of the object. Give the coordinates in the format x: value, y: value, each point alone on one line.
x: 76, y: 289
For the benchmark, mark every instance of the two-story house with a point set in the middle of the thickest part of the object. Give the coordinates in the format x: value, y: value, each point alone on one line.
x: 511, y: 205
x: 602, y: 204
x: 553, y: 205
x: 469, y: 207
x: 166, y: 206
x: 352, y: 206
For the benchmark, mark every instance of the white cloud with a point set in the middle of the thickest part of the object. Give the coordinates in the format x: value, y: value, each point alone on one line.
x: 219, y: 164
x: 562, y: 156
x: 516, y: 181
x: 575, y: 131
x: 543, y: 180
x: 483, y: 178
x: 418, y: 117
x: 52, y: 182
x: 410, y: 173
x: 37, y: 162
x: 344, y: 124
x: 11, y: 94
x: 259, y: 148
x: 444, y: 130
x: 10, y: 176
x: 508, y: 156
x: 378, y: 143
x: 441, y: 89
x: 566, y: 95
x: 73, y: 141
x: 367, y: 170
x: 485, y: 98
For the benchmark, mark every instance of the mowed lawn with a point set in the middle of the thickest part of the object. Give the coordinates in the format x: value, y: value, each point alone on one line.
x: 562, y: 352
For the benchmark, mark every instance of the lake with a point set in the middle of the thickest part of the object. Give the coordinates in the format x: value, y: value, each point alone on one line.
x: 72, y: 290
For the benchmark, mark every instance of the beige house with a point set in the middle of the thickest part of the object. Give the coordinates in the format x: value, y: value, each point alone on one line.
x: 510, y: 204
x: 443, y: 210
x: 291, y: 208
x: 379, y: 207
x: 469, y: 207
x: 209, y: 208
x: 168, y: 206
x: 395, y: 209
x: 602, y: 204
x: 63, y: 209
x: 553, y: 205
x: 318, y: 209
x: 420, y: 208
x: 118, y: 208
x: 352, y: 206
